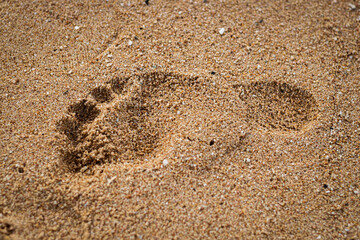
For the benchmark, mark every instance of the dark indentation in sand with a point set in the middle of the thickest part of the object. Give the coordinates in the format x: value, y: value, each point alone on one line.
x: 6, y: 229
x: 70, y: 157
x: 101, y: 94
x: 70, y: 127
x: 84, y: 110
x: 279, y: 106
x: 118, y: 84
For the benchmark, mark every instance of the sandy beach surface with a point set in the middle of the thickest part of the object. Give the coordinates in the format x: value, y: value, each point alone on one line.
x: 180, y: 119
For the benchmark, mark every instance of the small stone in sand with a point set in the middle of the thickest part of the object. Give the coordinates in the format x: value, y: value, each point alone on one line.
x: 110, y: 180
x: 221, y: 31
x: 352, y: 6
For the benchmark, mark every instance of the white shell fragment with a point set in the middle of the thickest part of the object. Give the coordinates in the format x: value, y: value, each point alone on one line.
x: 221, y: 31
x: 352, y: 6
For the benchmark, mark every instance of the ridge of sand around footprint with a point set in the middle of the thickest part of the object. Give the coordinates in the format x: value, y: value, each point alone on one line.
x: 131, y: 118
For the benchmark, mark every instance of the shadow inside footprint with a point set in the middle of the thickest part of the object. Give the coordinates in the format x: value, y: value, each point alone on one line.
x: 279, y: 106
x: 84, y: 110
x: 118, y: 84
x: 101, y: 94
x: 6, y: 229
x: 70, y: 127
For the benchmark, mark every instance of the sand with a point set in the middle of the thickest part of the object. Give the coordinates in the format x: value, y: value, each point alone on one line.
x: 180, y: 119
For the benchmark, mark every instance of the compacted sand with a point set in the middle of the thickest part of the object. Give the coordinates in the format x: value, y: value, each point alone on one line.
x: 180, y: 119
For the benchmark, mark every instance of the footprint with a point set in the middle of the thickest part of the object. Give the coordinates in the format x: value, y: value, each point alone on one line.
x: 279, y: 106
x: 143, y: 117
x: 125, y: 120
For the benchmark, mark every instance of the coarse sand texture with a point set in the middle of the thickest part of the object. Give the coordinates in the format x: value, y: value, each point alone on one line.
x: 186, y: 119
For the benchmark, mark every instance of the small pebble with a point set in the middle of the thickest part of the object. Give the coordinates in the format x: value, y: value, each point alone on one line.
x: 130, y: 42
x: 222, y: 30
x: 352, y: 6
x: 110, y: 180
x: 77, y: 27
x: 165, y: 162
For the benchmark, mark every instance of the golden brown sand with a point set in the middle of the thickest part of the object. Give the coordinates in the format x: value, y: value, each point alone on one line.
x: 180, y: 119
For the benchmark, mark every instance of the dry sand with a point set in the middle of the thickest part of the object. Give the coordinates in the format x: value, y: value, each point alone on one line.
x: 180, y: 119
